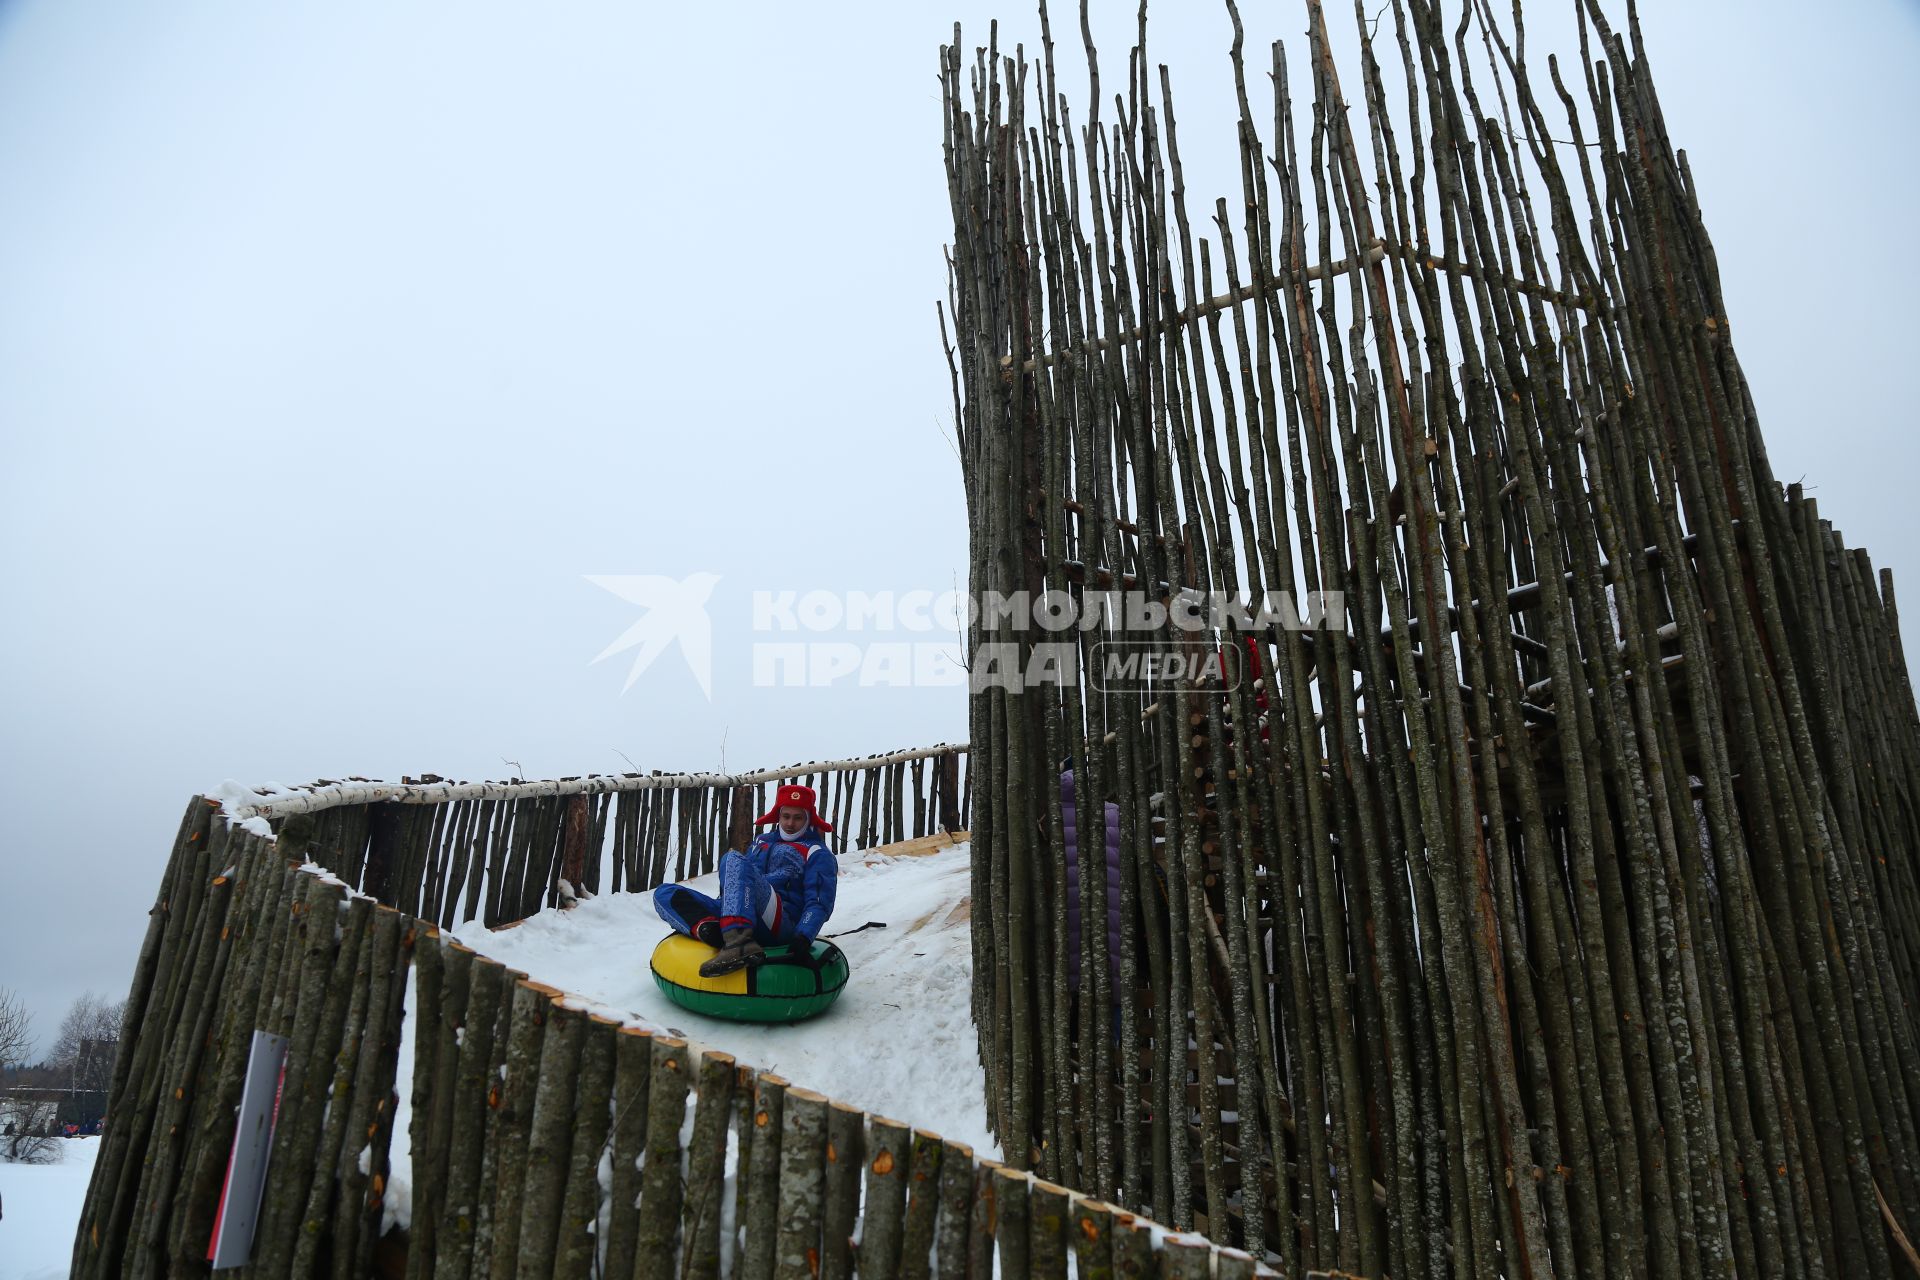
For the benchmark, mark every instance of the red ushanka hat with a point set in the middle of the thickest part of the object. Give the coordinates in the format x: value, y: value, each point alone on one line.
x: 791, y: 796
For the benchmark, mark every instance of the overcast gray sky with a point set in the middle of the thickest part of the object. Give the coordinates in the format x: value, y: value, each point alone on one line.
x: 340, y: 343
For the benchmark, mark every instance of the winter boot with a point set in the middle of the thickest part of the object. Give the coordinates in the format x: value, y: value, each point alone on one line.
x: 739, y: 952
x: 708, y: 931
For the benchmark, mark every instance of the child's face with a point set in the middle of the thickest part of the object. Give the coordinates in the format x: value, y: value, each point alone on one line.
x: 792, y: 820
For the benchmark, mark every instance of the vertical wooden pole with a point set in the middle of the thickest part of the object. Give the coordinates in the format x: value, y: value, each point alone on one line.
x: 660, y: 1186
x: 573, y: 844
x: 952, y: 1229
x: 923, y: 1205
x: 1049, y: 1219
x: 803, y: 1149
x: 499, y: 1234
x: 365, y: 1147
x: 577, y: 1249
x: 740, y: 818
x: 761, y: 1215
x: 475, y: 1087
x: 1132, y: 1247
x: 437, y: 1051
x: 883, y: 1209
x: 983, y: 1227
x: 950, y: 796
x: 706, y: 1168
x: 1092, y: 1228
x: 840, y: 1210
x: 633, y: 1064
x: 1012, y: 1214
x: 550, y: 1138
x: 386, y: 841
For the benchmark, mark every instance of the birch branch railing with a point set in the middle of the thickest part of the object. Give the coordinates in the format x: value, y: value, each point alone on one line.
x: 1558, y: 913
x: 500, y: 851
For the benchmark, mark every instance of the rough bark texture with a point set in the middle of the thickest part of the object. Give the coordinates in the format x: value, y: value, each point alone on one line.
x: 550, y: 1136
x: 760, y: 1215
x: 633, y: 1064
x: 660, y: 1185
x: 840, y: 1207
x: 1533, y: 891
x: 578, y: 1245
x: 884, y: 1204
x: 706, y: 1168
x: 803, y: 1149
x: 923, y: 1207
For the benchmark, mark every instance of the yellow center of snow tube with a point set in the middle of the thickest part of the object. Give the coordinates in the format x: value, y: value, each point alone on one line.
x: 782, y: 988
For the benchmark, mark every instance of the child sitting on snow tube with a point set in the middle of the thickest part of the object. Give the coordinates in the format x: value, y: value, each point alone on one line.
x: 778, y: 893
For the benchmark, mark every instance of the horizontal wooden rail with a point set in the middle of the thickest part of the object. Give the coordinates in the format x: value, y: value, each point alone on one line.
x: 1378, y: 251
x: 451, y: 852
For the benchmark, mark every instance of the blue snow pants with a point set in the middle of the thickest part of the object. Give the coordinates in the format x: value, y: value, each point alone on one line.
x: 746, y: 897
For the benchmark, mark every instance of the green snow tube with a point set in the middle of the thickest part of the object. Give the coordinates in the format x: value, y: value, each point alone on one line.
x: 781, y: 988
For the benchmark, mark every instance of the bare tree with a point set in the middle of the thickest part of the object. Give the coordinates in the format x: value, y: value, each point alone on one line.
x: 28, y: 1132
x: 26, y: 1128
x: 16, y: 1029
x: 87, y: 1039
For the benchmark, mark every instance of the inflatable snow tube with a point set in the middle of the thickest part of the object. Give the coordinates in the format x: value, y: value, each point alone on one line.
x: 781, y: 988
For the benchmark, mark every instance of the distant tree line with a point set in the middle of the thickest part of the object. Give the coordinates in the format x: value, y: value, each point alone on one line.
x: 79, y: 1064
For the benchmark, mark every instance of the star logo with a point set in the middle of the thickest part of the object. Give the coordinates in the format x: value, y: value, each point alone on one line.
x: 676, y: 614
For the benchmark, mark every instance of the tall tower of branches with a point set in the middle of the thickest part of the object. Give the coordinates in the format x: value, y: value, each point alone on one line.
x: 1523, y: 881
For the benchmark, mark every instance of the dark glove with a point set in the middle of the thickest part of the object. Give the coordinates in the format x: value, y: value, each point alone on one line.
x: 802, y: 951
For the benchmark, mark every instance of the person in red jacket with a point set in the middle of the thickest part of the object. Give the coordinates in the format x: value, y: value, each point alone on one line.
x: 779, y: 891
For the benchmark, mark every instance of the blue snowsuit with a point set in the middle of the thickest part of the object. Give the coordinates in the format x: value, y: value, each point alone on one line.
x: 783, y: 886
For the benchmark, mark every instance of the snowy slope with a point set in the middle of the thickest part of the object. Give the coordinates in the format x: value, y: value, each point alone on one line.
x: 899, y: 1042
x: 40, y: 1211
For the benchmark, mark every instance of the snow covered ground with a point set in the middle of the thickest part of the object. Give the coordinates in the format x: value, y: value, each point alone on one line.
x: 898, y: 1043
x: 40, y: 1211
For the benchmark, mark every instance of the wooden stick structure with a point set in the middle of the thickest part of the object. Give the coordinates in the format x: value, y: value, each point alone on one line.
x: 1518, y: 875
x: 451, y: 852
x: 543, y: 1140
x: 1535, y: 893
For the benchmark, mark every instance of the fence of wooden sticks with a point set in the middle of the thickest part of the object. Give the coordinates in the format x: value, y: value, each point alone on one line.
x: 544, y: 1141
x: 1553, y: 911
x: 497, y: 852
